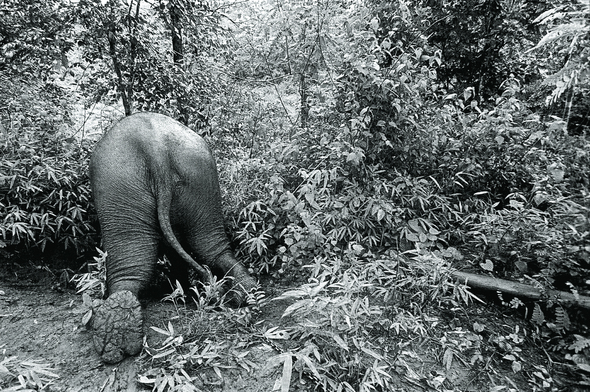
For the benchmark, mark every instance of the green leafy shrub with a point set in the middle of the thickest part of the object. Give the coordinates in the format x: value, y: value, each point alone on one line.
x: 489, y: 179
x: 46, y: 195
x: 409, y: 166
x: 354, y: 318
x: 321, y: 203
x: 484, y: 42
x: 490, y: 152
x: 384, y: 109
x: 44, y: 190
x: 35, y: 36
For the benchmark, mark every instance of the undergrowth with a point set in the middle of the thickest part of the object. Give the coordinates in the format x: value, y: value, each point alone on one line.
x: 45, y: 199
x: 498, y: 192
x: 362, y: 323
x: 25, y: 375
x: 212, y: 340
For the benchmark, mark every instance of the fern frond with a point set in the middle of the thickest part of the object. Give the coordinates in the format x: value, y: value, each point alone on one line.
x: 562, y: 320
x: 538, y: 317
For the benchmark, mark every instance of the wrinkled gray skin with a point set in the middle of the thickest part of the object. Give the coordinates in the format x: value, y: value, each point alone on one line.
x: 156, y: 190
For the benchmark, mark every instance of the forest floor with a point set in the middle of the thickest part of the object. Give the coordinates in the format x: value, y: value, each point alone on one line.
x: 43, y: 340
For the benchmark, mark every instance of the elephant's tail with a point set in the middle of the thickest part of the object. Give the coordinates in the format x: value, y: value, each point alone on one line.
x: 163, y: 205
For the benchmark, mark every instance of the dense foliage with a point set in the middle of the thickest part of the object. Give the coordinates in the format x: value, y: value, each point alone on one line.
x: 44, y: 190
x: 34, y: 36
x: 405, y: 162
x: 153, y: 57
x: 360, y: 149
x: 484, y: 42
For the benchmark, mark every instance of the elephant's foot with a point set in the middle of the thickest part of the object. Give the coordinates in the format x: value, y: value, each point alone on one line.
x: 118, y: 327
x: 241, y: 287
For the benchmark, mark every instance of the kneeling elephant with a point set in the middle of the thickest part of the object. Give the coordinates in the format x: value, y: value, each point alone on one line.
x: 156, y: 191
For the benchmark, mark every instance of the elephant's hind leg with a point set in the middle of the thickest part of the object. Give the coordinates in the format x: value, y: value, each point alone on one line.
x: 132, y: 247
x: 118, y: 327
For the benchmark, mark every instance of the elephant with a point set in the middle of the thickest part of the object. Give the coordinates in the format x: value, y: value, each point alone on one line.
x: 156, y: 191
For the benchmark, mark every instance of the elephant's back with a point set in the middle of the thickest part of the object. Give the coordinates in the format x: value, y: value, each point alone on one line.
x: 144, y: 148
x: 155, y: 134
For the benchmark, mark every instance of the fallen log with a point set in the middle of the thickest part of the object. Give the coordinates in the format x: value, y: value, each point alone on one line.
x: 519, y: 289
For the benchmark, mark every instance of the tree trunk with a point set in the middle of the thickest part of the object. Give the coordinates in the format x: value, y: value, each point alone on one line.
x: 304, y: 105
x: 127, y: 104
x: 133, y: 33
x: 178, y: 54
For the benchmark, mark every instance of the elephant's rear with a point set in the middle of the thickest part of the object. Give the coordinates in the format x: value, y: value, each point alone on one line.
x: 136, y: 171
x: 126, y: 205
x: 152, y: 176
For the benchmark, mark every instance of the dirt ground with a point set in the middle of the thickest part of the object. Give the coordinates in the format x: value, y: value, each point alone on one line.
x: 41, y: 326
x: 44, y: 326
